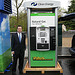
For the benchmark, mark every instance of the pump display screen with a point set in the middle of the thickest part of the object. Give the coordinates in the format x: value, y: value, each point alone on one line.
x: 42, y: 40
x: 42, y: 34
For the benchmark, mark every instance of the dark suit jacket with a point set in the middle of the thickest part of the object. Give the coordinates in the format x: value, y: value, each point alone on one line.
x: 16, y: 46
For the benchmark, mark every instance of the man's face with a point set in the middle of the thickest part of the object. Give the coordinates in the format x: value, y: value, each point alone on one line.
x: 19, y: 29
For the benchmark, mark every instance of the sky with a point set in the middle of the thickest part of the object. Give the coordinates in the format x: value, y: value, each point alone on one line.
x: 64, y: 3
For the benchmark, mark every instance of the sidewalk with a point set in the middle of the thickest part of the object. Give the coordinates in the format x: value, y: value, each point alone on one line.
x: 63, y: 51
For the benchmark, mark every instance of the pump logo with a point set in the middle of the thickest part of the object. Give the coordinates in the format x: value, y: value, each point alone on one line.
x: 34, y: 4
x: 41, y: 59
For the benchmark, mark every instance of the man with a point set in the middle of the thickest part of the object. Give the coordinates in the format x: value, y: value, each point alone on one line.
x: 18, y: 49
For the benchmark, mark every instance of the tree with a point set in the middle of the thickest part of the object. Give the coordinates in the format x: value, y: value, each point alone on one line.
x: 12, y: 23
x: 61, y: 11
x: 17, y: 4
x: 19, y: 16
x: 22, y: 21
x: 71, y: 8
x: 70, y: 24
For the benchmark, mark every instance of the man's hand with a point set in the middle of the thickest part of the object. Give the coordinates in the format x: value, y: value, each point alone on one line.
x: 13, y: 52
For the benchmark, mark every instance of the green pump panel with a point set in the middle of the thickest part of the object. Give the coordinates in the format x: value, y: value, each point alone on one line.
x: 42, y: 33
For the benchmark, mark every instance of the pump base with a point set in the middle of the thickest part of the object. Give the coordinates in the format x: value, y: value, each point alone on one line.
x: 58, y: 68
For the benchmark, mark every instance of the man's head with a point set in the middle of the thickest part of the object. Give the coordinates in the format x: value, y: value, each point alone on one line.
x: 19, y: 28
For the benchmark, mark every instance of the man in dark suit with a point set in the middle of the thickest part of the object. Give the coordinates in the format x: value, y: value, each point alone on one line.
x: 18, y: 49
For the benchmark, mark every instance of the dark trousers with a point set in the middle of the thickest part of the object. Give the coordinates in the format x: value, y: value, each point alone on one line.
x: 19, y: 55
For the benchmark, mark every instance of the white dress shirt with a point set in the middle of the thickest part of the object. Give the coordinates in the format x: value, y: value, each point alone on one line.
x: 20, y: 35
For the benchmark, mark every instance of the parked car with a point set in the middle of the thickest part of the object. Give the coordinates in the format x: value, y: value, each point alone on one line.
x: 72, y: 49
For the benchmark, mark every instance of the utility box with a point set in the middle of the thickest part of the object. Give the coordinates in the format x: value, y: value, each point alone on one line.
x: 42, y: 33
x: 5, y: 45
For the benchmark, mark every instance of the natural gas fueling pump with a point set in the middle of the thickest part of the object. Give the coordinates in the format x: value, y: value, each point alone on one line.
x: 42, y: 33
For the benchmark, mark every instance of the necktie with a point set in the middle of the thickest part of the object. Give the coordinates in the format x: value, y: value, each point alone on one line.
x: 19, y: 37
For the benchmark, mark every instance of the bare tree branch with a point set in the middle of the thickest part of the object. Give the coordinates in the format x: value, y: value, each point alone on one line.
x: 20, y: 3
x: 16, y: 1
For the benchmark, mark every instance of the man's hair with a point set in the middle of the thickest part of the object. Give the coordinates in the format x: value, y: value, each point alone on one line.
x: 19, y: 26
